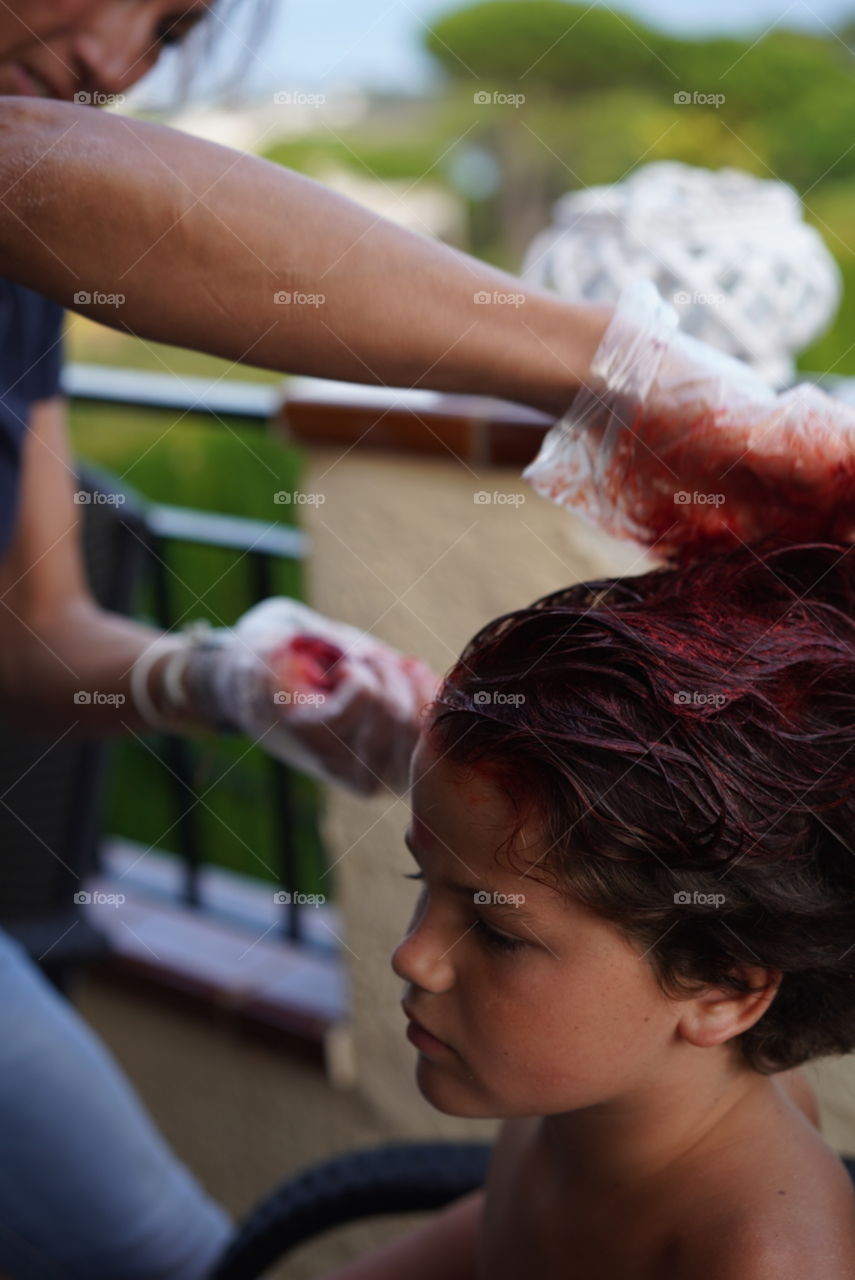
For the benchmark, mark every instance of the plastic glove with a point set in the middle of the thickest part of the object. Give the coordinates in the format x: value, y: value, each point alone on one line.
x: 686, y: 451
x: 324, y: 697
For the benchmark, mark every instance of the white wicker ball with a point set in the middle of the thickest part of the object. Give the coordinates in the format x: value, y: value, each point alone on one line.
x: 730, y: 251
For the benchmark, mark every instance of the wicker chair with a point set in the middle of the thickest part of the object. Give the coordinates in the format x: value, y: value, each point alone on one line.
x: 398, y: 1178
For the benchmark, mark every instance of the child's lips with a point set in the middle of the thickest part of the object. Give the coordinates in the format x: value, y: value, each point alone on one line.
x: 423, y: 1039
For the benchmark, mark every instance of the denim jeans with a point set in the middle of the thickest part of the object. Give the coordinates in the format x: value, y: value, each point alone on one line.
x: 89, y: 1190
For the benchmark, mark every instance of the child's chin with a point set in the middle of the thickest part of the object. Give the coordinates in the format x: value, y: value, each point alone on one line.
x: 451, y: 1094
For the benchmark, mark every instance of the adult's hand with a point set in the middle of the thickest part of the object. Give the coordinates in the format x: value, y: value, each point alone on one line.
x: 325, y: 697
x: 685, y: 450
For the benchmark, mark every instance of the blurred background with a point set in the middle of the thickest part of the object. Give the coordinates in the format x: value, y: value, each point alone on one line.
x: 467, y: 123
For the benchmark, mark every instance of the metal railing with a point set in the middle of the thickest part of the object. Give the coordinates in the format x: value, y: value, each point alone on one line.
x: 261, y: 544
x: 157, y: 529
x: 312, y: 409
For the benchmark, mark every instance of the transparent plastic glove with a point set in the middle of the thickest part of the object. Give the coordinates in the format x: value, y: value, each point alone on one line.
x: 324, y: 697
x: 686, y: 451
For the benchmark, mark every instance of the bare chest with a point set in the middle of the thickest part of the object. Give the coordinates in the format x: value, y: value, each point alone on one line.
x: 531, y: 1230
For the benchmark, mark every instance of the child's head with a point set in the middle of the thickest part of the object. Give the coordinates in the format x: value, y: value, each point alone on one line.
x: 663, y: 767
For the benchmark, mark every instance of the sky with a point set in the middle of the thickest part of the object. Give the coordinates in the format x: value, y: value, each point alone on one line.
x: 376, y: 44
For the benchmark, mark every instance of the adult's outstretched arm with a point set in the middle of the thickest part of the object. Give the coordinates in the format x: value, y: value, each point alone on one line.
x: 200, y: 240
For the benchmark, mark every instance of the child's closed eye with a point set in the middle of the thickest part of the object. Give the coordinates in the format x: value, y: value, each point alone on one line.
x: 489, y: 936
x: 492, y: 938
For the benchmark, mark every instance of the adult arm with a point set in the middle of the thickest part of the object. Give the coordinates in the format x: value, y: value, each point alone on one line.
x: 199, y: 240
x: 66, y: 663
x: 55, y: 640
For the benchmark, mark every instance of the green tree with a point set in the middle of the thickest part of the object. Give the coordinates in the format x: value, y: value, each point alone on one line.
x: 604, y: 93
x: 547, y: 44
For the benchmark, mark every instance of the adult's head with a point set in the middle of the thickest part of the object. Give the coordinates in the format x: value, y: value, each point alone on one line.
x: 23, y: 21
x: 96, y: 48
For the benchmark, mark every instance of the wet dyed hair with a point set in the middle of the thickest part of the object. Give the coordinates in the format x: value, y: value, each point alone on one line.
x: 682, y: 733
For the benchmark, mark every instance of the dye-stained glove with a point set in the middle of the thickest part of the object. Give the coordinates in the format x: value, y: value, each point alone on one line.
x: 686, y: 451
x: 329, y: 699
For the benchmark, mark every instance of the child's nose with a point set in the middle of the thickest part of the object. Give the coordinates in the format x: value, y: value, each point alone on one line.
x: 420, y: 960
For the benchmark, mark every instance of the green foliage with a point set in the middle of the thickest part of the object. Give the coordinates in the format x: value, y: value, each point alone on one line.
x: 783, y: 109
x: 831, y: 209
x: 231, y: 467
x: 569, y: 50
x: 565, y: 48
x: 759, y: 78
x: 833, y: 351
x: 609, y: 133
x: 387, y: 158
x: 92, y: 343
x: 601, y: 97
x: 810, y: 141
x: 605, y: 93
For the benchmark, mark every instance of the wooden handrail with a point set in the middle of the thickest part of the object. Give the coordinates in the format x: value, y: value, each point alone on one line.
x: 471, y: 429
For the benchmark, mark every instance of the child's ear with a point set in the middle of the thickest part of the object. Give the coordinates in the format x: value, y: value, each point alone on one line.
x: 718, y: 1013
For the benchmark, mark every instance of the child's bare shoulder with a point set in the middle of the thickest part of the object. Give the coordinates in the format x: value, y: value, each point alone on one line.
x: 777, y: 1215
x: 780, y: 1210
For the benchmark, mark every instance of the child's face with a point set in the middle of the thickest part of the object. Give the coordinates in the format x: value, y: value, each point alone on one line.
x: 569, y: 1016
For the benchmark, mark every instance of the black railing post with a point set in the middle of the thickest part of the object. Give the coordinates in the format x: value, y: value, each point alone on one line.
x: 261, y: 542
x: 282, y: 789
x: 177, y: 752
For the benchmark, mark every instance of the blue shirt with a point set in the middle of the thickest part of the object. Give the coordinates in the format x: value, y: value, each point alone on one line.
x: 30, y: 366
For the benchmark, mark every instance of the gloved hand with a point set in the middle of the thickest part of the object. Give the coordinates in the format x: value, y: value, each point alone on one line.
x: 686, y: 451
x: 323, y: 696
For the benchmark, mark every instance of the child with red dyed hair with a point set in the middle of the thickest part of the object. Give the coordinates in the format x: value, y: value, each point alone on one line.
x: 633, y: 814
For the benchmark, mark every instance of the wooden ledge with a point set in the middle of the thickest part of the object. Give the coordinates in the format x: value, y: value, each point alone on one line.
x: 230, y: 953
x: 470, y: 429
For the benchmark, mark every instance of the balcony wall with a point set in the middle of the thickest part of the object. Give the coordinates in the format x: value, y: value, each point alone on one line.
x: 402, y: 548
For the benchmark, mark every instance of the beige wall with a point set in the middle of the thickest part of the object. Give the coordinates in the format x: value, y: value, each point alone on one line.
x: 402, y: 548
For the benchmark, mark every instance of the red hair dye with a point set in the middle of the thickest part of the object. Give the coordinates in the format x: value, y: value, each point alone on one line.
x: 690, y: 729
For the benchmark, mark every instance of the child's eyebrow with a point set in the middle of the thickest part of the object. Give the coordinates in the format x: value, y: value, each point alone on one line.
x: 471, y: 891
